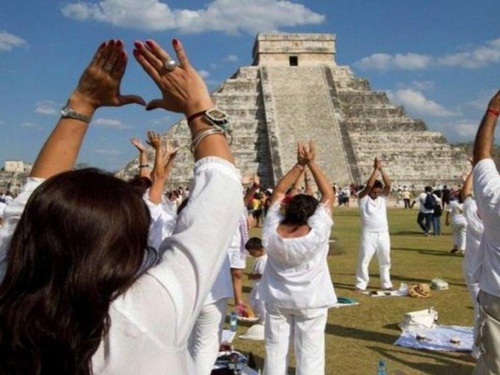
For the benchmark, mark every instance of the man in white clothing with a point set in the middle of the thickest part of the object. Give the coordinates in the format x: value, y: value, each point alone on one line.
x: 374, y: 228
x: 487, y: 190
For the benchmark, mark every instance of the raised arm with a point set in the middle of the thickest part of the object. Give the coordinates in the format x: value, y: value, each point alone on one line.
x: 467, y: 188
x: 307, y: 184
x: 164, y: 158
x: 297, y: 184
x: 324, y: 185
x: 183, y: 91
x: 377, y: 165
x: 483, y: 145
x: 144, y: 169
x: 288, y: 179
x: 99, y: 86
x: 386, y: 180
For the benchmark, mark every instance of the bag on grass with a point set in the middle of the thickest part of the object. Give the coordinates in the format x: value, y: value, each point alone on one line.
x: 419, y: 319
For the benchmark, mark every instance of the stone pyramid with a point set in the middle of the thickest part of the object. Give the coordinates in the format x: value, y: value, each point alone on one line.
x: 294, y: 91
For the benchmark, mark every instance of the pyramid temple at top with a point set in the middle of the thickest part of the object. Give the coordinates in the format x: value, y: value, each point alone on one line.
x: 294, y: 91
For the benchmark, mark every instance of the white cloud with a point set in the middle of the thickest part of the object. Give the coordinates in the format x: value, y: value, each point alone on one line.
x: 474, y: 58
x: 107, y: 152
x: 477, y: 58
x: 109, y: 123
x: 31, y: 125
x: 230, y: 16
x: 9, y: 41
x: 231, y: 58
x: 414, y: 101
x: 46, y: 107
x: 383, y: 61
x: 163, y: 121
x: 203, y: 73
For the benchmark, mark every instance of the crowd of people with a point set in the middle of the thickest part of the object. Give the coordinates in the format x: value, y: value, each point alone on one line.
x: 104, y: 276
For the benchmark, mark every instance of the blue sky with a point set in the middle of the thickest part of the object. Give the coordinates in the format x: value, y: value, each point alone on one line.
x: 440, y: 59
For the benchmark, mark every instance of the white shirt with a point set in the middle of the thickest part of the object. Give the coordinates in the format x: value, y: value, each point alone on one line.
x: 296, y: 274
x: 258, y: 269
x: 456, y: 210
x: 162, y: 221
x: 487, y: 191
x: 373, y: 214
x: 473, y: 257
x: 421, y: 202
x: 151, y: 322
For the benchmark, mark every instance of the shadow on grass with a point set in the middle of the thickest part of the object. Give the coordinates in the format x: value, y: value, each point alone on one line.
x: 447, y: 362
x: 434, y: 252
x: 359, y: 334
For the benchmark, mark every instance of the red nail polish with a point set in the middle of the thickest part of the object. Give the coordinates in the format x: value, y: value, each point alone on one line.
x: 136, y: 52
x: 149, y: 43
x: 102, y: 45
x: 175, y: 42
x: 137, y: 45
x: 119, y: 43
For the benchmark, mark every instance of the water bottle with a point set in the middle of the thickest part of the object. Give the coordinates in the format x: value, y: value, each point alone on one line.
x: 233, y: 321
x: 381, y: 369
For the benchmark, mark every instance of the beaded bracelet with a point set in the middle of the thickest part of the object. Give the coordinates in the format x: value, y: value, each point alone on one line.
x: 493, y: 112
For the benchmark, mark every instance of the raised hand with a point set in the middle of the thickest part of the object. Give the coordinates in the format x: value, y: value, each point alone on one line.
x: 154, y: 140
x: 170, y: 150
x: 377, y: 164
x: 99, y: 85
x: 183, y: 90
x: 138, y: 144
x: 309, y: 153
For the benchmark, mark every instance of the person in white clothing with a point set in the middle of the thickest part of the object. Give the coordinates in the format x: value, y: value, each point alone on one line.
x: 487, y: 191
x: 74, y: 296
x: 296, y: 241
x: 472, y: 260
x: 256, y: 249
x: 427, y: 201
x: 205, y: 338
x: 455, y: 217
x: 372, y: 202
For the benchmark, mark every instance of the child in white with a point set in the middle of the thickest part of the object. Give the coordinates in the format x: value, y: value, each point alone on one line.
x: 255, y: 249
x: 374, y: 229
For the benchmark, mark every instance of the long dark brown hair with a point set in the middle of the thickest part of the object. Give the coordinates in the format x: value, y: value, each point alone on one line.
x: 79, y: 244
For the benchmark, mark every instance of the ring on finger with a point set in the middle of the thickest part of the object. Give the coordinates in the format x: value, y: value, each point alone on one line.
x: 108, y: 67
x: 170, y: 65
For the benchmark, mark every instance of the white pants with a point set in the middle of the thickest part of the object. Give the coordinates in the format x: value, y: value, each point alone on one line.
x: 205, y: 337
x: 471, y: 269
x: 459, y: 233
x: 488, y: 337
x: 306, y: 328
x: 371, y: 243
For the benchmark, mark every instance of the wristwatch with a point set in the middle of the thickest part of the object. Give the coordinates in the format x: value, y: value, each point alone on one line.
x: 213, y: 116
x: 68, y: 112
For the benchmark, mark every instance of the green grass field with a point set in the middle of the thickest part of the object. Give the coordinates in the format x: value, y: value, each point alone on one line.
x: 358, y: 336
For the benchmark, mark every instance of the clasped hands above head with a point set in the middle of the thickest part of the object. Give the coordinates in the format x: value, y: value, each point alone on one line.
x: 182, y: 89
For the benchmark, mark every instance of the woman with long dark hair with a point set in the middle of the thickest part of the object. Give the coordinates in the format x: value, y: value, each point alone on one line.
x: 81, y: 293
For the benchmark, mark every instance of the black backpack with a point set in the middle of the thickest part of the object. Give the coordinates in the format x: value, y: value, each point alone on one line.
x: 438, y: 211
x: 430, y: 202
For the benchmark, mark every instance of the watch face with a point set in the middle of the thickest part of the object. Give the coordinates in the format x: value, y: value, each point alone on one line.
x: 216, y: 114
x: 65, y: 111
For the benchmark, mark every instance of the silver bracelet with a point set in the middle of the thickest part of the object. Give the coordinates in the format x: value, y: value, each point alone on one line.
x: 199, y: 137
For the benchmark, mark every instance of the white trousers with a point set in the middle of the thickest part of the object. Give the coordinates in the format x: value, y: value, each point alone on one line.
x: 459, y: 234
x: 204, y: 341
x: 471, y: 269
x: 306, y: 329
x: 488, y: 336
x: 374, y: 243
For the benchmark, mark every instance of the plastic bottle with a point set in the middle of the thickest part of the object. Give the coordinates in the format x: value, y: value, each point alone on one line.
x: 381, y: 368
x: 233, y: 321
